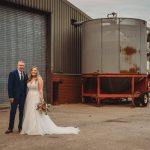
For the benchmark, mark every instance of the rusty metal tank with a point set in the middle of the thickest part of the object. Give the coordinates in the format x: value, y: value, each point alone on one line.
x: 114, y: 45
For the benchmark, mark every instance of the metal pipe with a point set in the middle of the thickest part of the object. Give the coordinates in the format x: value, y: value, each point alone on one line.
x: 76, y: 23
x: 112, y: 15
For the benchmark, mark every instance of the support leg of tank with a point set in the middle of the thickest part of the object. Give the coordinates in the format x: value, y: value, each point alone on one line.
x: 133, y: 102
x: 98, y: 101
x: 83, y: 100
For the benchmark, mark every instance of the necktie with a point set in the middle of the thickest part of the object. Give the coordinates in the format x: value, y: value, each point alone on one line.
x: 21, y: 75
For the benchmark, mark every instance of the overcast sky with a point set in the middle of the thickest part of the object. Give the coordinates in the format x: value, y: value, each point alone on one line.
x: 124, y: 8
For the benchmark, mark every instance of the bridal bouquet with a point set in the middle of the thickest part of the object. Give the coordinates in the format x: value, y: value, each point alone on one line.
x: 43, y: 107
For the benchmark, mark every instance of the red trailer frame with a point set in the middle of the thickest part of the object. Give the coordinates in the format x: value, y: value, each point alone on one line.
x: 134, y: 93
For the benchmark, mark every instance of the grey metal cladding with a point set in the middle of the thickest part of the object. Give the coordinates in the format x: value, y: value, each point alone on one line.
x: 22, y: 37
x: 65, y: 38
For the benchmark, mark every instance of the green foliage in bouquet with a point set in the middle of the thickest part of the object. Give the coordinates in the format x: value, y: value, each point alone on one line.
x: 43, y: 107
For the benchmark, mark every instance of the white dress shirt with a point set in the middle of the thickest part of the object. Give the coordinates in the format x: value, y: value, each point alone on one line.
x: 20, y: 74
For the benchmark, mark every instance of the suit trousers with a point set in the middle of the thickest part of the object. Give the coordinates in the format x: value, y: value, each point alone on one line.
x: 19, y: 102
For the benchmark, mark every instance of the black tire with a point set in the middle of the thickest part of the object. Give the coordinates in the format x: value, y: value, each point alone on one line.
x: 137, y: 102
x: 144, y: 99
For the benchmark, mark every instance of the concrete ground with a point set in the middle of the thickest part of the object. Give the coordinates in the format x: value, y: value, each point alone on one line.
x: 109, y: 127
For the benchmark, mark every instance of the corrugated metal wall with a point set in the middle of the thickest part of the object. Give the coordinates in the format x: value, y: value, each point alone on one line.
x: 65, y: 38
x: 22, y: 37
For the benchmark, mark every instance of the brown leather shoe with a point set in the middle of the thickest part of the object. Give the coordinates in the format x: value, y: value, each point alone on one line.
x: 8, y: 131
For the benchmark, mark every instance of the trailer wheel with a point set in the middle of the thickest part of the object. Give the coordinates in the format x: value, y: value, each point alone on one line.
x: 137, y: 102
x: 144, y: 99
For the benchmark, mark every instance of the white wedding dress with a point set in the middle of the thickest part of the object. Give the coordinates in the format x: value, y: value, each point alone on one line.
x: 35, y: 123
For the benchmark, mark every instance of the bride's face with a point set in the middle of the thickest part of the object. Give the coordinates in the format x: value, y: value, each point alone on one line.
x: 34, y: 72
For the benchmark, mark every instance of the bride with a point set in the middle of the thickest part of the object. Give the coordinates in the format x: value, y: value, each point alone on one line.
x: 35, y: 123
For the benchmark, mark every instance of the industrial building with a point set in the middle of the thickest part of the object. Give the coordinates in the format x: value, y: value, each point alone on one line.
x: 41, y: 33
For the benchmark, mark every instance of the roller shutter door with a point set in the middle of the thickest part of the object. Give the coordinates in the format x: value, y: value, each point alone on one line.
x: 22, y: 37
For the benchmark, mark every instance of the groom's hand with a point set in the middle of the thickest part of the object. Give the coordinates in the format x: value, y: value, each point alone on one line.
x: 11, y: 100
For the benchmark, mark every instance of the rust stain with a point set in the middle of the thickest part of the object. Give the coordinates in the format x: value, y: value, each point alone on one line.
x: 134, y: 69
x: 129, y: 51
x: 124, y: 71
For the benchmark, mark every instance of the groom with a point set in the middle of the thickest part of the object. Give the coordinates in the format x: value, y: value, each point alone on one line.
x: 17, y: 85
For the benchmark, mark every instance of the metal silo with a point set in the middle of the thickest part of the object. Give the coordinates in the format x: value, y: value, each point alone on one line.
x: 114, y: 45
x: 114, y: 59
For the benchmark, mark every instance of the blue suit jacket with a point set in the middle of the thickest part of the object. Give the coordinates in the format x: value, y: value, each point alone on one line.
x: 16, y: 88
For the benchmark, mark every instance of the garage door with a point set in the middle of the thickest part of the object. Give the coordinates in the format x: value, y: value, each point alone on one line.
x: 22, y: 37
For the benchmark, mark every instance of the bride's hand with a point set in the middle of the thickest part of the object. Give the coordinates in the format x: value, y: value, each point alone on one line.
x: 42, y: 100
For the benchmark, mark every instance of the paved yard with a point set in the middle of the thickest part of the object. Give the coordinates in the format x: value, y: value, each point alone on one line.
x: 109, y: 127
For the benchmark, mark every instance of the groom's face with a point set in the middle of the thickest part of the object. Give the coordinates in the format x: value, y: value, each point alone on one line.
x: 21, y: 66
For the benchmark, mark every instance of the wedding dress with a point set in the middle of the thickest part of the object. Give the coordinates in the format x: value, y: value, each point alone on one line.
x: 35, y: 123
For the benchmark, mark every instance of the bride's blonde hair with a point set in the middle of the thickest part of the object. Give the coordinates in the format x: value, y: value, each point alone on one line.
x: 37, y: 75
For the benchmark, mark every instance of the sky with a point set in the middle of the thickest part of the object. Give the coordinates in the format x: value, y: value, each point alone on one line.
x: 124, y: 8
